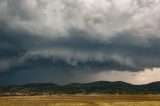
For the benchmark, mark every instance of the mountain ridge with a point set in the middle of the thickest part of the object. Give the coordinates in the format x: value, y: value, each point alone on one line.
x: 99, y: 87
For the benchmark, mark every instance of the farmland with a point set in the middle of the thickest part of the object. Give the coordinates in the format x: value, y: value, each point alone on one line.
x: 82, y: 100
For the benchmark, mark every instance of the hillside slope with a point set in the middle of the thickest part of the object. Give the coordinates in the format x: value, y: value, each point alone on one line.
x: 98, y: 87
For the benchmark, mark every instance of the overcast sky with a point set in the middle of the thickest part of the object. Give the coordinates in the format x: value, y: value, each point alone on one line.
x: 65, y: 41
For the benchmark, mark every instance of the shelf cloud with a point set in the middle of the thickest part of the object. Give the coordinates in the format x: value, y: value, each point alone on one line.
x: 56, y: 37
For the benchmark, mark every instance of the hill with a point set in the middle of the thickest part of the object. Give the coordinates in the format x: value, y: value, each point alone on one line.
x: 99, y: 87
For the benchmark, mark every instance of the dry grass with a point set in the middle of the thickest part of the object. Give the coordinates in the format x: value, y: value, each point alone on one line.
x: 88, y: 100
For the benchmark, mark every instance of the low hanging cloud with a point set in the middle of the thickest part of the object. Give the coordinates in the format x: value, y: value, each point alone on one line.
x: 90, y: 35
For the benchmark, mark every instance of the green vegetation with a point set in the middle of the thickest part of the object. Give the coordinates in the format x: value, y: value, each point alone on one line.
x: 101, y: 87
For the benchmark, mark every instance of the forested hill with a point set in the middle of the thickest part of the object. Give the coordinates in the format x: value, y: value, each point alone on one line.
x: 99, y: 87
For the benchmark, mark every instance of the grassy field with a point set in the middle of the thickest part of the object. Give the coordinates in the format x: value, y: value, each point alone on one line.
x: 83, y: 100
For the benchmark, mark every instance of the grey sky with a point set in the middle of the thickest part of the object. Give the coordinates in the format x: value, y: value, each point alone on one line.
x: 77, y: 38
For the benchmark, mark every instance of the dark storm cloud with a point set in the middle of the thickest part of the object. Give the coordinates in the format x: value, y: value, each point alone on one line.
x: 77, y: 37
x: 119, y: 53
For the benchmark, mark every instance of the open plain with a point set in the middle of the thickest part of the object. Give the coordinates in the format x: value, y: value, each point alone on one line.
x: 82, y: 100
